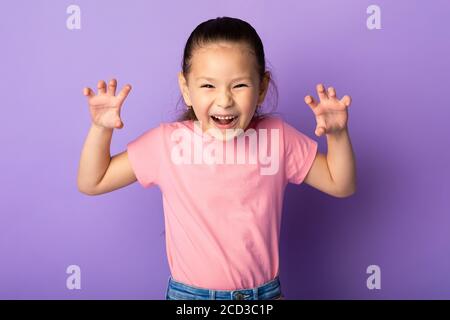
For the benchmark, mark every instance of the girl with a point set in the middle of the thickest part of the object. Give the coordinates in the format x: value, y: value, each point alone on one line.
x: 223, y: 166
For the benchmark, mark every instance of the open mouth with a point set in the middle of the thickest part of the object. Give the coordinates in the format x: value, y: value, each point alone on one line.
x: 224, y: 122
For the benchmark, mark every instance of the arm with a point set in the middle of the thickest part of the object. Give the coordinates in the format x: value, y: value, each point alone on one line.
x: 97, y: 172
x: 334, y: 173
x: 341, y: 163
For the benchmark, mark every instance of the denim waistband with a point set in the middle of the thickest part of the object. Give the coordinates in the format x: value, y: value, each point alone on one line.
x: 180, y: 291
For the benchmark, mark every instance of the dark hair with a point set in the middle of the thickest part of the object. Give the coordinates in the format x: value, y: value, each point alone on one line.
x: 224, y: 29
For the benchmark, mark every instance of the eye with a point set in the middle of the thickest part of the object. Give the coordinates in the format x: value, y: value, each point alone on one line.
x: 207, y: 86
x: 241, y: 84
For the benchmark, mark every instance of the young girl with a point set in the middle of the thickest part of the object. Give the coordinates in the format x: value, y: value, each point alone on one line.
x: 223, y: 166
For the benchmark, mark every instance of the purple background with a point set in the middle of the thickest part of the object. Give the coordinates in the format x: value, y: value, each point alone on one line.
x: 398, y: 78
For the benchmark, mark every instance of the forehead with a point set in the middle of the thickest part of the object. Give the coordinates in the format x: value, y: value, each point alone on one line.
x: 223, y: 60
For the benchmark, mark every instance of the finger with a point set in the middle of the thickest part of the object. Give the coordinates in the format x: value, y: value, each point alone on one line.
x: 321, y: 92
x: 331, y: 92
x: 346, y: 100
x: 319, y: 131
x: 309, y: 100
x: 118, y: 124
x: 124, y: 93
x: 112, y: 85
x: 101, y: 86
x: 321, y: 126
x: 88, y: 92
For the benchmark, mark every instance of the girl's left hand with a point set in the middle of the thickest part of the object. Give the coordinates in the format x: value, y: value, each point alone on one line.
x: 331, y: 113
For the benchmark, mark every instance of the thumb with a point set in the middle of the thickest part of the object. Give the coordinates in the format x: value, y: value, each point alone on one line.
x: 118, y: 124
x: 319, y: 131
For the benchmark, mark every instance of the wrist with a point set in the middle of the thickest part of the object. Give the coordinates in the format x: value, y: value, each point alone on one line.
x: 338, y: 134
x: 99, y: 128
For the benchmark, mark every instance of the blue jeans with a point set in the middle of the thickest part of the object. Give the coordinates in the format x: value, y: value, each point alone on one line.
x: 180, y: 291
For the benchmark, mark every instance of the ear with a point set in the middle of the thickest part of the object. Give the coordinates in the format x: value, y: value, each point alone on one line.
x: 263, y: 86
x: 184, y: 89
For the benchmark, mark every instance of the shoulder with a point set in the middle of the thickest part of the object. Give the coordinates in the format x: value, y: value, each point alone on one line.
x: 287, y: 131
x: 270, y: 121
x: 165, y: 129
x: 154, y: 133
x: 174, y: 125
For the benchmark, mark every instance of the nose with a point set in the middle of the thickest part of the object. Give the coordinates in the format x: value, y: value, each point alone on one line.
x: 224, y: 99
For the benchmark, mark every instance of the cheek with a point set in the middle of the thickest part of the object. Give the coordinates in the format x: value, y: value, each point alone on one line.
x: 201, y: 102
x: 248, y: 99
x: 250, y: 95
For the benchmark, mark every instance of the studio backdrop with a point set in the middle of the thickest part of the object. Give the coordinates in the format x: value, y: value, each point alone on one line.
x: 390, y: 240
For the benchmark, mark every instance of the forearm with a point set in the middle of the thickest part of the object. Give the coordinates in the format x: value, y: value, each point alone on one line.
x: 341, y: 162
x: 95, y: 157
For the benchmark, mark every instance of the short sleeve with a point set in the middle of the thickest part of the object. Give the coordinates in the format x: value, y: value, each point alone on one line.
x: 144, y: 154
x: 300, y: 152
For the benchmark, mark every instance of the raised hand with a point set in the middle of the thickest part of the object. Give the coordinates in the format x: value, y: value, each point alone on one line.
x: 105, y: 106
x: 331, y: 113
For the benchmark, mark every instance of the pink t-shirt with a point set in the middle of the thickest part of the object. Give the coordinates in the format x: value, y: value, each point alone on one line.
x: 222, y: 211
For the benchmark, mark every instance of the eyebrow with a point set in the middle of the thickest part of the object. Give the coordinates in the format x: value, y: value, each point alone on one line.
x: 235, y: 79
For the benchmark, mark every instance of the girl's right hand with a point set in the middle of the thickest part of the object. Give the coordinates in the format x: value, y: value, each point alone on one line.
x: 105, y: 106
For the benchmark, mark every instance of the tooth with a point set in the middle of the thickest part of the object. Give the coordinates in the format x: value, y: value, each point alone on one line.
x: 224, y: 117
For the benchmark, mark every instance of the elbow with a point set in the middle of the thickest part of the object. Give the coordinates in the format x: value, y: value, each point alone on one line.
x: 86, y: 190
x: 345, y: 193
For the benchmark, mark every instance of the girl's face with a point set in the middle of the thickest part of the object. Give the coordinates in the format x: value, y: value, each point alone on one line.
x: 223, y: 83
